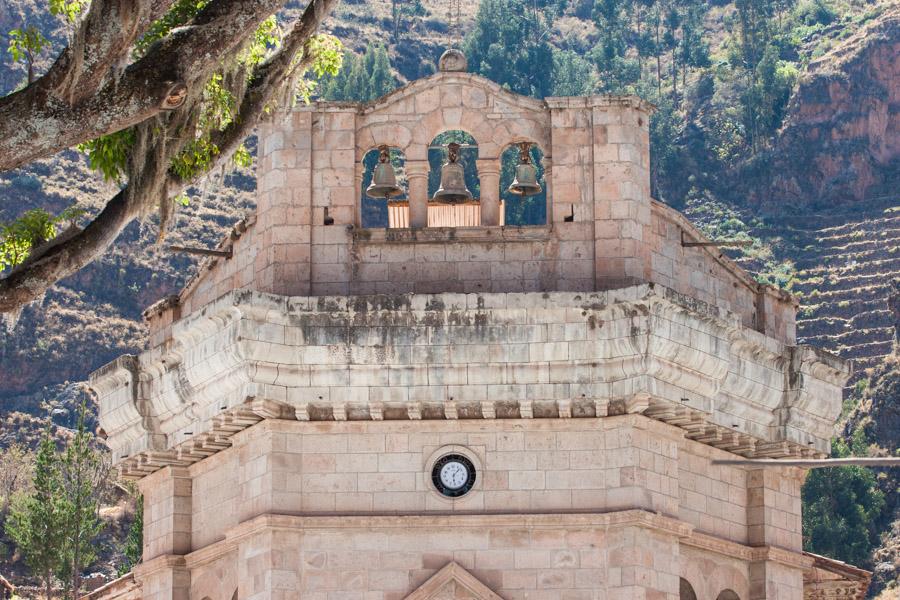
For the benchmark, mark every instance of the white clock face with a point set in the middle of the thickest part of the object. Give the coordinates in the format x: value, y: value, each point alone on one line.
x: 454, y: 475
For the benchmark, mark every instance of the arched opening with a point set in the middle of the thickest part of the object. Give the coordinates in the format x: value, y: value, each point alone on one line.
x: 456, y: 213
x: 728, y: 595
x: 375, y: 211
x: 686, y: 590
x: 234, y: 596
x: 522, y: 210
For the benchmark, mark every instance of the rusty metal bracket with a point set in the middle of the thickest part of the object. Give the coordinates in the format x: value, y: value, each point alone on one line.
x: 200, y: 251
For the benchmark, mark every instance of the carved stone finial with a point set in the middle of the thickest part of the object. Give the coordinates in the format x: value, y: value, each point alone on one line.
x: 452, y: 60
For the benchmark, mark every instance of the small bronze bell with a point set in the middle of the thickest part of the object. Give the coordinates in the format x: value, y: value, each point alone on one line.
x: 525, y: 182
x: 453, y: 180
x: 384, y: 181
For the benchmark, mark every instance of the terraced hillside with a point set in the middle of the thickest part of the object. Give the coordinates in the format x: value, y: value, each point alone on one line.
x: 844, y: 266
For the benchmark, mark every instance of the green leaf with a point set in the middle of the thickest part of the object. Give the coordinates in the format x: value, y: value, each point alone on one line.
x: 70, y: 9
x: 109, y: 154
x: 24, y: 44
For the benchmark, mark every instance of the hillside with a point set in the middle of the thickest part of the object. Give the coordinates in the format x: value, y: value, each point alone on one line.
x: 818, y: 197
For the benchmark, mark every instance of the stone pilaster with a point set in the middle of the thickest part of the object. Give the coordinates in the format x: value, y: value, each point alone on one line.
x: 270, y: 566
x: 773, y: 508
x: 621, y: 166
x: 164, y: 578
x: 284, y: 212
x: 643, y: 564
x: 774, y: 522
x: 167, y: 513
x: 417, y: 175
x: 772, y: 580
x: 489, y: 175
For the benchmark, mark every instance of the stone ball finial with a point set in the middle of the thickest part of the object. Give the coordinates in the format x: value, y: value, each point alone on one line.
x: 452, y: 60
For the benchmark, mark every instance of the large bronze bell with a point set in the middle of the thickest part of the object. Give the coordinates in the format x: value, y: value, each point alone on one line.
x: 453, y: 180
x: 384, y: 181
x: 525, y: 183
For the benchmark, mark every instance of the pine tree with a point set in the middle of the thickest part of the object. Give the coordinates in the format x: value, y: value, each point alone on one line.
x: 508, y: 45
x: 83, y: 475
x: 134, y: 543
x: 36, y: 521
x: 381, y: 81
x: 362, y: 78
x: 572, y: 75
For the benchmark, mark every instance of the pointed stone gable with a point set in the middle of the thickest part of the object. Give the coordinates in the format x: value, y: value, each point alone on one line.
x: 453, y: 583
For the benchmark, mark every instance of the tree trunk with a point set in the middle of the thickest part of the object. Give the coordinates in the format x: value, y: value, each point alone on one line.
x: 658, y: 65
x: 674, y: 78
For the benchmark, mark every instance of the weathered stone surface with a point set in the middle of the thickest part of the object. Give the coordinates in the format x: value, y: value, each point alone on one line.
x: 286, y: 419
x: 316, y: 355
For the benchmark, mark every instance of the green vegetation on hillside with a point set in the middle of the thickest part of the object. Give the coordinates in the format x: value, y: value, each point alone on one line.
x: 55, y: 523
x: 842, y: 507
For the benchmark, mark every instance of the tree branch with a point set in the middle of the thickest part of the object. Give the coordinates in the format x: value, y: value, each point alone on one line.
x: 150, y: 183
x: 35, y: 123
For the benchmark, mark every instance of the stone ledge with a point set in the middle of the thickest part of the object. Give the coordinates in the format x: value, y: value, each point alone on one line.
x: 443, y: 235
x: 643, y: 349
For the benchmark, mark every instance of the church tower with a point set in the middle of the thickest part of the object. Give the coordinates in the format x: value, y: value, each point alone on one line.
x: 478, y: 397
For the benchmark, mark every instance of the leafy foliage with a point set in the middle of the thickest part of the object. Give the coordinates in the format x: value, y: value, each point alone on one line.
x: 82, y: 476
x: 842, y: 506
x: 134, y: 543
x: 109, y: 153
x: 69, y: 9
x: 36, y: 520
x: 24, y: 46
x: 25, y: 43
x: 509, y: 46
x: 33, y: 228
x: 179, y: 14
x: 360, y: 78
x: 55, y: 524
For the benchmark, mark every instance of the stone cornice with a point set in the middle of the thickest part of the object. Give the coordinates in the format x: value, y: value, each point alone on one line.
x: 644, y: 349
x: 442, y: 235
x: 166, y: 562
x: 582, y: 520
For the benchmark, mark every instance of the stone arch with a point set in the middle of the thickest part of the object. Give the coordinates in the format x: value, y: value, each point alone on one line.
x: 710, y: 573
x: 728, y: 594
x: 518, y: 210
x: 215, y: 581
x: 686, y: 590
x: 409, y: 118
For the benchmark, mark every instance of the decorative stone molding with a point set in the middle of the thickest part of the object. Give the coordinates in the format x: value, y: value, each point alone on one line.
x: 453, y: 583
x: 443, y: 356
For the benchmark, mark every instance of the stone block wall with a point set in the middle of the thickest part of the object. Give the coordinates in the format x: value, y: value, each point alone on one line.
x: 334, y: 510
x: 536, y: 466
x: 603, y: 231
x: 288, y: 467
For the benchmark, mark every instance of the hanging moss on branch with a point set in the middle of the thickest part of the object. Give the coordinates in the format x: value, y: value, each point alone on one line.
x: 158, y: 94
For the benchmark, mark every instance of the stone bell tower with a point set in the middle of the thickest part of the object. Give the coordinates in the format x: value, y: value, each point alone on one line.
x: 475, y: 410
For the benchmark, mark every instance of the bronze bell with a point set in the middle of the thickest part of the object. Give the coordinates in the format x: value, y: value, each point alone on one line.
x: 453, y: 180
x: 384, y: 181
x: 525, y: 182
